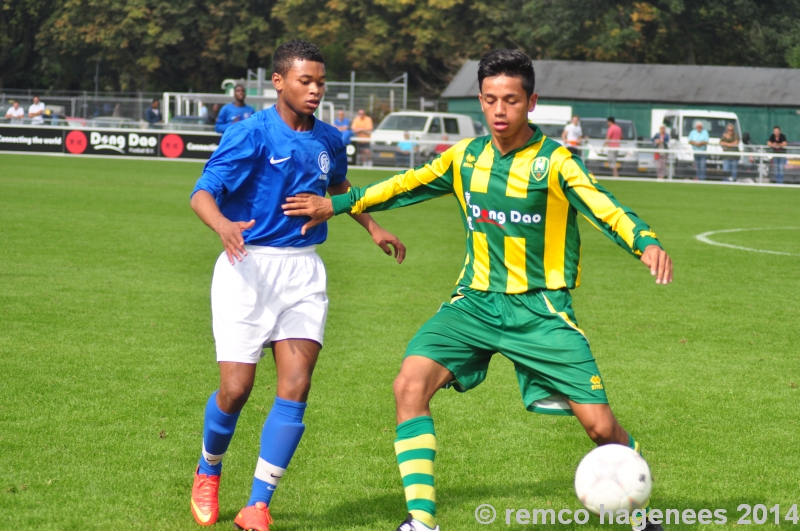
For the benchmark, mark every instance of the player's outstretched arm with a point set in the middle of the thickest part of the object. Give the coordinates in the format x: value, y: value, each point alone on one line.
x: 230, y: 232
x: 659, y: 262
x: 388, y: 242
x: 320, y: 209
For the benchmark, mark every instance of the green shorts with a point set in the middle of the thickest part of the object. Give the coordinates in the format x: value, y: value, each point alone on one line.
x: 536, y: 330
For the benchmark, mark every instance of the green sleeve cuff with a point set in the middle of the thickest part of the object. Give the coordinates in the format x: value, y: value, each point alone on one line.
x: 341, y: 204
x: 643, y: 241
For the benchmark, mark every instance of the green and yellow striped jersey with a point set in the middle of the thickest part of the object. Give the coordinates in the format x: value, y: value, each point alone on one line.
x: 519, y: 211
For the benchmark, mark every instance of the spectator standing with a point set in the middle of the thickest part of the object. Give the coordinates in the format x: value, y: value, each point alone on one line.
x: 342, y: 123
x: 362, y: 127
x: 698, y: 139
x: 572, y: 135
x: 15, y: 113
x: 212, y: 116
x: 235, y: 111
x: 153, y: 114
x: 729, y: 142
x: 777, y: 141
x: 661, y: 141
x: 613, y: 136
x: 203, y: 111
x: 36, y: 112
x: 117, y: 113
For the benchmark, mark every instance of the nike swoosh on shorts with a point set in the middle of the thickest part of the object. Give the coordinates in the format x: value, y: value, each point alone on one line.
x: 272, y: 160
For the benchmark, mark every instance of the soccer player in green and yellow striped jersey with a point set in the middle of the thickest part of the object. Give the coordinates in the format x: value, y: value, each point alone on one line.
x: 520, y: 193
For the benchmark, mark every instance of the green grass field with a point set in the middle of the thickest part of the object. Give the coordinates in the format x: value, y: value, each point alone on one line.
x: 107, y: 360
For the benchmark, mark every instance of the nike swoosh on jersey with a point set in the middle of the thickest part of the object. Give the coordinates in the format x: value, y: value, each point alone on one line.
x: 273, y: 160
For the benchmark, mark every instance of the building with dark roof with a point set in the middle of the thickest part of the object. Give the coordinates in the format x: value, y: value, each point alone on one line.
x: 762, y: 97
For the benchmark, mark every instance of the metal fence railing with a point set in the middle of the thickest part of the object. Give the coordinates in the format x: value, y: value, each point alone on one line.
x: 753, y: 164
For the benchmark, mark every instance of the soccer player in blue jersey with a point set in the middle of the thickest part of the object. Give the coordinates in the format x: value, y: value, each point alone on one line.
x: 268, y: 287
x: 235, y: 111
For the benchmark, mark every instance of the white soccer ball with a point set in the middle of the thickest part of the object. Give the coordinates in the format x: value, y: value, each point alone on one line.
x: 615, y: 477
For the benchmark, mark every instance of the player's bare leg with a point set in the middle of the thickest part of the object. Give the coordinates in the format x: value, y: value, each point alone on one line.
x: 235, y: 384
x: 418, y: 381
x: 295, y: 360
x: 603, y: 428
x: 600, y: 423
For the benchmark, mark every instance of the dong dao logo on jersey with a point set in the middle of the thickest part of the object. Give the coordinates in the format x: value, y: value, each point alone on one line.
x: 324, y: 162
x: 540, y: 167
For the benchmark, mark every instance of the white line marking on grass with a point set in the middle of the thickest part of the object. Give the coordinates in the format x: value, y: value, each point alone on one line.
x: 704, y: 237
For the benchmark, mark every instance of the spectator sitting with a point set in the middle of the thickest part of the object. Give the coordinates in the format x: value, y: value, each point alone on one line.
x: 235, y: 111
x: 699, y: 142
x: 342, y: 123
x: 661, y: 141
x: 15, y: 114
x: 729, y: 142
x: 362, y: 127
x: 36, y: 112
x: 153, y: 113
x: 777, y: 141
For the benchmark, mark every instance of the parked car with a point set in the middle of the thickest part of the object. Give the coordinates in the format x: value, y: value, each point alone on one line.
x: 422, y: 135
x: 552, y: 129
x: 595, y: 154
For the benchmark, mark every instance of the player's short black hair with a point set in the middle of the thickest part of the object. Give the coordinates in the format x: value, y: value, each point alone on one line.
x: 611, y: 119
x: 290, y: 51
x: 511, y: 63
x: 776, y: 127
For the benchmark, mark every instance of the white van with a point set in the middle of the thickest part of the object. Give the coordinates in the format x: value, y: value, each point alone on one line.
x: 427, y: 133
x: 680, y: 123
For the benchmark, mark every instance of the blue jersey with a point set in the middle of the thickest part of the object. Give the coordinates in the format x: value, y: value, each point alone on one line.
x: 260, y: 162
x: 230, y: 114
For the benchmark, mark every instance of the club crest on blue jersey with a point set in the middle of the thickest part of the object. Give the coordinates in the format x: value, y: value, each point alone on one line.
x: 324, y: 162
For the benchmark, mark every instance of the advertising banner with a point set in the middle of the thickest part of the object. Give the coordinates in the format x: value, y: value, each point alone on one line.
x: 144, y: 143
x: 30, y: 139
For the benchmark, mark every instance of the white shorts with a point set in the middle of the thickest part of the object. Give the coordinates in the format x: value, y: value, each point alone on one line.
x: 274, y: 293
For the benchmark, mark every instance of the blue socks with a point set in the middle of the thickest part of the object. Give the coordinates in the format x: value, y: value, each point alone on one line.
x: 279, y: 439
x: 217, y: 433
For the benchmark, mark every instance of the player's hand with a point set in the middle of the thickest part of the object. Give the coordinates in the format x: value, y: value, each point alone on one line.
x: 230, y: 232
x: 659, y: 262
x: 318, y: 208
x: 384, y: 239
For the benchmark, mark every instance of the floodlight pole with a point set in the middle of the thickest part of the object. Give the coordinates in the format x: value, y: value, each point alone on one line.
x: 352, y: 92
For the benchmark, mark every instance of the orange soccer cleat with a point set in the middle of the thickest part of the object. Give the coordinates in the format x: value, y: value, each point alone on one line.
x: 205, y: 500
x: 253, y: 518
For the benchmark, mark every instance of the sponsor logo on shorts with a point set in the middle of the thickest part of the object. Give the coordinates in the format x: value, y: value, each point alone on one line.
x: 597, y: 383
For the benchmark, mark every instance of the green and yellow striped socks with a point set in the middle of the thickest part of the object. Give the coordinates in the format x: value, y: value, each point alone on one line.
x: 415, y: 447
x: 637, y: 523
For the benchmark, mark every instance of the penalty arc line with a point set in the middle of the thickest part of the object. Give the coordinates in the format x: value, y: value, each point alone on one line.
x: 704, y: 237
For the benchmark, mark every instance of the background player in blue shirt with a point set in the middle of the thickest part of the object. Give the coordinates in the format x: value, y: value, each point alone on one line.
x: 235, y: 111
x: 269, y: 284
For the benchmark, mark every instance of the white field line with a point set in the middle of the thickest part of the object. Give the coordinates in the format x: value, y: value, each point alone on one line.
x: 704, y: 237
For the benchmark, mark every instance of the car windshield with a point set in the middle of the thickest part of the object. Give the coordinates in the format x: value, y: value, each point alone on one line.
x: 714, y: 126
x: 400, y: 122
x: 553, y: 130
x: 599, y: 128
